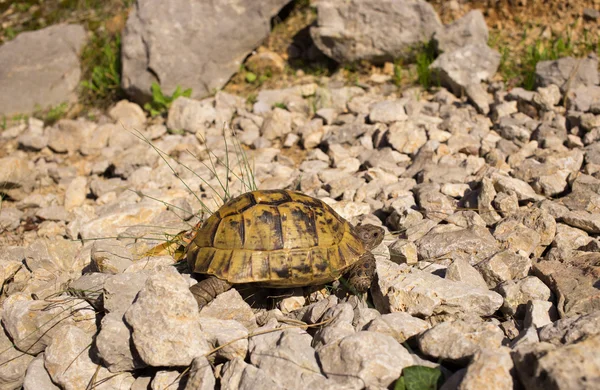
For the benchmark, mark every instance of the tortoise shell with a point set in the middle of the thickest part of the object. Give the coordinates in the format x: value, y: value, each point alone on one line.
x: 277, y: 238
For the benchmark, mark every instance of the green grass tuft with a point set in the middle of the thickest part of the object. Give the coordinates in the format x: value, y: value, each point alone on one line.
x: 161, y: 103
x: 424, y: 58
x: 101, y: 60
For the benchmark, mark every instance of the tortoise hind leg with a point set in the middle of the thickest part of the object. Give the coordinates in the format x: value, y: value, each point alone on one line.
x: 207, y: 289
x: 361, y: 275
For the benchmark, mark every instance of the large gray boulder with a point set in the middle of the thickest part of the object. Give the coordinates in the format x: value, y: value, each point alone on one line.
x: 195, y: 44
x: 568, y: 72
x: 40, y: 69
x: 376, y: 30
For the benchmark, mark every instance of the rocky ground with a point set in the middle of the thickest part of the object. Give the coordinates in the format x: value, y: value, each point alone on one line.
x: 490, y: 270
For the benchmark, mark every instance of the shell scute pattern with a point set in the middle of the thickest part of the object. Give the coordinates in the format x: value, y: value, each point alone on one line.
x: 277, y: 238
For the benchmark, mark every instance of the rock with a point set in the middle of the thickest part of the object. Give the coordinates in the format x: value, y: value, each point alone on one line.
x: 31, y: 324
x: 568, y: 72
x: 191, y: 115
x: 152, y: 49
x: 76, y: 193
x: 265, y: 62
x: 114, y: 345
x: 110, y: 256
x: 128, y: 116
x: 37, y: 378
x: 287, y: 358
x: 583, y: 98
x: 503, y: 266
x: 547, y: 98
x: 70, y: 365
x: 574, y: 366
x: 539, y: 313
x: 165, y: 322
x: 240, y: 375
x: 374, y: 359
x: 388, y: 111
x: 230, y: 306
x: 230, y: 335
x: 117, y: 221
x: 419, y: 293
x: 490, y: 369
x: 35, y: 137
x: 520, y: 188
x: 572, y: 329
x: 470, y: 29
x: 14, y: 363
x: 459, y: 340
x: 461, y: 271
x: 517, y: 293
x: 164, y: 379
x: 201, y: 376
x: 573, y: 279
x: 474, y: 244
x: 17, y: 177
x: 45, y: 61
x: 10, y: 218
x: 277, y: 124
x: 403, y: 251
x: 399, y: 325
x: 376, y: 31
x: 406, y: 137
x: 590, y: 222
x: 465, y: 66
x: 591, y: 14
x: 479, y: 97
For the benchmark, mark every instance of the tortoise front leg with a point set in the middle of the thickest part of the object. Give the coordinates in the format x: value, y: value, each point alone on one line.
x: 361, y: 275
x: 207, y: 289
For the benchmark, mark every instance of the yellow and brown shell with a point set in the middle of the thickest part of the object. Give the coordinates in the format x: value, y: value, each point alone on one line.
x: 277, y: 238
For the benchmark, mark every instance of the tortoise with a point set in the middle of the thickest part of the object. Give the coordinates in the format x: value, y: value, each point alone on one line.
x: 279, y: 239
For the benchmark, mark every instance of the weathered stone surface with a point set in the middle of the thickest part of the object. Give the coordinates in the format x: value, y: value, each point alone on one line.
x: 461, y: 271
x: 14, y: 363
x: 153, y: 49
x: 374, y: 359
x: 404, y: 288
x: 539, y: 313
x: 399, y: 325
x: 568, y: 72
x: 32, y: 324
x: 238, y: 374
x: 17, y: 176
x: 201, y: 376
x: 45, y: 61
x: 503, y: 266
x: 69, y: 364
x: 470, y: 29
x: 37, y: 376
x: 490, y: 369
x: 165, y: 321
x: 571, y: 329
x: 517, y: 293
x: 114, y: 345
x: 545, y: 366
x: 230, y: 306
x: 230, y: 335
x: 474, y: 244
x: 466, y: 66
x: 110, y: 256
x: 459, y: 340
x: 574, y: 280
x: 287, y: 358
x: 393, y: 28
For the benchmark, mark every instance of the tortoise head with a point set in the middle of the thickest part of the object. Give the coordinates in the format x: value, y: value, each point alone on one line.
x: 371, y: 235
